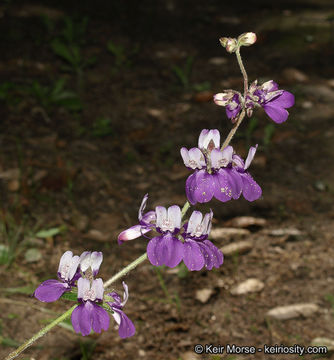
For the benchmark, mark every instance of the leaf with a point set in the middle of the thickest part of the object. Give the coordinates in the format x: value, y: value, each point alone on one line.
x: 27, y: 290
x: 70, y: 296
x: 43, y: 234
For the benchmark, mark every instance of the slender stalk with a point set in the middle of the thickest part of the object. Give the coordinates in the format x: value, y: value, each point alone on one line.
x: 42, y: 332
x: 127, y: 269
x: 243, y: 71
x: 234, y: 129
x: 185, y: 208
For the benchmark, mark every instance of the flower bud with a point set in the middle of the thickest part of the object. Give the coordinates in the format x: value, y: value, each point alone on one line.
x: 222, y: 99
x: 247, y: 39
x: 229, y: 44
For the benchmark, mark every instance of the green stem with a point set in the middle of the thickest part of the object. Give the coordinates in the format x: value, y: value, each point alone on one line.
x: 127, y: 269
x: 42, y: 332
x: 185, y: 208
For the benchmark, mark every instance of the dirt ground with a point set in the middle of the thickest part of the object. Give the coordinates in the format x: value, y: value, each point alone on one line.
x: 78, y: 161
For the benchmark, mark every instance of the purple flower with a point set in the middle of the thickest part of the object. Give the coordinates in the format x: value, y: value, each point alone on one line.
x: 88, y: 315
x: 216, y: 174
x: 274, y: 101
x: 52, y: 290
x: 126, y: 327
x: 250, y: 188
x: 166, y: 249
x: 199, y: 252
x: 145, y: 224
x: 232, y: 101
x: 91, y: 260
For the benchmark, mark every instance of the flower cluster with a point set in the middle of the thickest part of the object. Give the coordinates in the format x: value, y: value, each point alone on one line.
x: 219, y: 173
x: 268, y: 96
x: 175, y: 242
x: 79, y: 272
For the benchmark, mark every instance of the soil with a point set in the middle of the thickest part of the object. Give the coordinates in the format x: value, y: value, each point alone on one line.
x: 85, y: 172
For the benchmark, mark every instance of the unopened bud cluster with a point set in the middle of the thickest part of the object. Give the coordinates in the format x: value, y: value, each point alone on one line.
x: 232, y: 44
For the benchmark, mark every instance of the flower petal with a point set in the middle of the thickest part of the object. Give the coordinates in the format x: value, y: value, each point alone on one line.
x: 95, y: 261
x: 251, y: 190
x: 194, y: 220
x: 142, y: 207
x: 97, y: 287
x: 286, y: 100
x: 161, y: 213
x: 99, y: 318
x: 250, y: 156
x: 125, y: 294
x: 83, y: 287
x: 204, y: 186
x: 51, y: 290
x: 218, y: 257
x: 190, y: 186
x: 174, y: 216
x: 165, y: 250
x: 276, y: 113
x: 133, y: 232
x: 192, y: 257
x: 222, y: 189
x: 81, y: 318
x: 126, y: 327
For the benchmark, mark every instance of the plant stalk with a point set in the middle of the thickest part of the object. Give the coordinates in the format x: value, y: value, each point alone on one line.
x: 42, y: 332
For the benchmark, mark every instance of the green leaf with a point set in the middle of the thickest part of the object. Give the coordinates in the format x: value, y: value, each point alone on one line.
x: 43, y: 234
x: 27, y: 290
x: 70, y: 296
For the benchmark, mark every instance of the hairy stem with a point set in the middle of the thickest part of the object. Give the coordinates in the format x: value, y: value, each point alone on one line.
x: 234, y: 129
x: 42, y: 332
x: 127, y: 269
x: 243, y: 71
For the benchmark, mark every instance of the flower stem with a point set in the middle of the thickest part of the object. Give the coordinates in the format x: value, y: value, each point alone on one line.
x: 243, y: 71
x: 42, y: 332
x: 127, y: 269
x: 234, y: 129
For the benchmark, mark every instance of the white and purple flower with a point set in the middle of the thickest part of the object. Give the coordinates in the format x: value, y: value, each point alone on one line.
x: 199, y: 252
x: 126, y: 328
x: 216, y: 174
x: 166, y: 249
x: 91, y: 260
x: 274, y: 101
x: 68, y: 272
x: 89, y: 315
x: 146, y: 223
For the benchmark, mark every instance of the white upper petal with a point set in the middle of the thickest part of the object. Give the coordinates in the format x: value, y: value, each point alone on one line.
x: 174, y: 216
x: 250, y: 156
x: 117, y: 317
x: 207, y: 136
x: 217, y: 159
x: 207, y: 222
x: 73, y: 267
x: 228, y: 153
x: 161, y: 215
x: 65, y: 260
x: 125, y: 294
x: 83, y: 287
x: 85, y: 260
x: 142, y: 207
x: 201, y: 138
x: 195, y: 220
x: 97, y: 288
x: 197, y: 158
x: 185, y: 155
x: 96, y: 259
